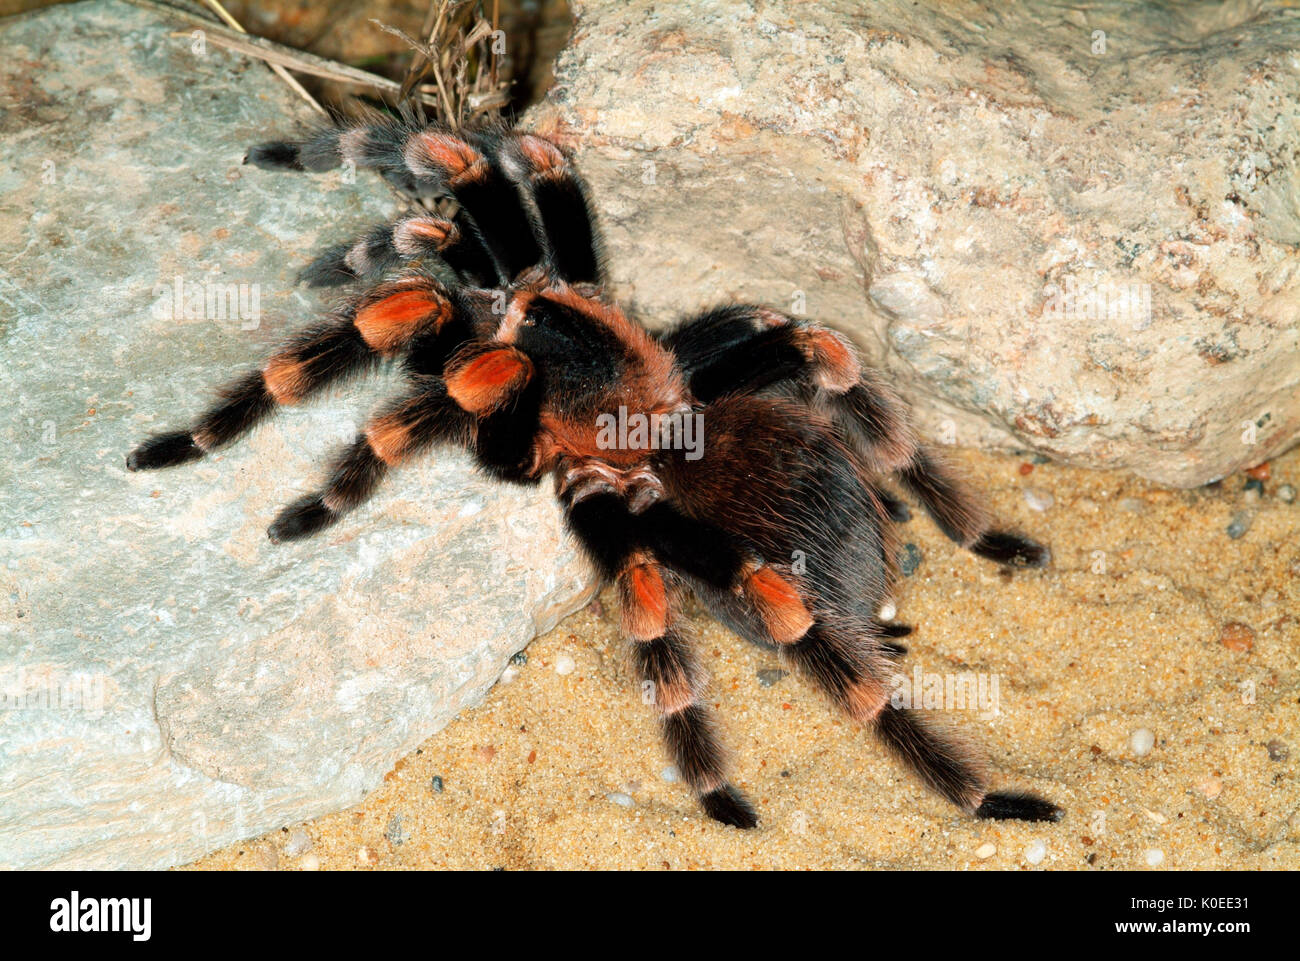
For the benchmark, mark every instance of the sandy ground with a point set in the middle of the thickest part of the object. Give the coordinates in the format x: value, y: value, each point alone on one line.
x: 1151, y: 618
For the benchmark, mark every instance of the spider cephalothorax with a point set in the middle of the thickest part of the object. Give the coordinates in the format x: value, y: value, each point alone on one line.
x: 738, y: 456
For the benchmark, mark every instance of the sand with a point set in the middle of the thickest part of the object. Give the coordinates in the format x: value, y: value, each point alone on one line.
x: 1130, y: 629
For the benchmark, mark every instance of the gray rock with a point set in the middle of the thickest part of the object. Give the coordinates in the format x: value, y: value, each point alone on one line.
x: 1240, y: 524
x: 909, y: 559
x: 957, y: 186
x: 173, y: 681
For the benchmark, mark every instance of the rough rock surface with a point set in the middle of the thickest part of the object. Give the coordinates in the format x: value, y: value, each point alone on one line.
x: 957, y: 184
x: 172, y: 681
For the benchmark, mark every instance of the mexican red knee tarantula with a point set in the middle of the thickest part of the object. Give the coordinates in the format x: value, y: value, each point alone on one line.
x: 523, y: 359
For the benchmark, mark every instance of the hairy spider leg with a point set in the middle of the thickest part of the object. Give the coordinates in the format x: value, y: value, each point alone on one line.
x: 520, y: 202
x: 750, y: 349
x: 379, y: 325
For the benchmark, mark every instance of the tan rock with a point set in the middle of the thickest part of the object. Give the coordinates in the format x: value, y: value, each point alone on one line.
x: 964, y: 187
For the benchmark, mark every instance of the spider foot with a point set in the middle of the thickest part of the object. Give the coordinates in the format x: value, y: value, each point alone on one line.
x: 729, y: 806
x: 1017, y: 806
x: 893, y: 630
x: 164, y: 450
x: 1012, y: 549
x: 302, y: 518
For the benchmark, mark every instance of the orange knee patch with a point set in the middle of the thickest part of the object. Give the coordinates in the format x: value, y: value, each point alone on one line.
x: 486, y: 381
x: 864, y: 699
x: 286, y: 379
x: 545, y: 158
x: 645, y: 602
x: 388, y: 324
x: 449, y: 155
x: 389, y: 437
x: 415, y: 235
x: 838, y: 368
x: 779, y: 604
x: 673, y: 694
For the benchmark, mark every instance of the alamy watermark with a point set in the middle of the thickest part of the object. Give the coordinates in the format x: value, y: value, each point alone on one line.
x: 965, y: 691
x: 208, y: 300
x: 21, y: 690
x: 676, y: 430
x: 75, y: 914
x: 1120, y: 303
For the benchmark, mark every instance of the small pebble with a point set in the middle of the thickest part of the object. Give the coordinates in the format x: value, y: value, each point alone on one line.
x: 1026, y: 469
x: 367, y: 856
x: 1278, y: 750
x: 1038, y: 500
x: 1156, y: 816
x: 1133, y: 505
x: 770, y: 675
x: 1260, y: 472
x: 670, y: 775
x: 1042, y: 459
x: 1153, y: 857
x: 1286, y: 494
x: 519, y: 659
x: 909, y: 559
x: 1252, y: 491
x: 888, y: 611
x: 1240, y: 523
x: 1211, y: 787
x: 1141, y: 741
x: 436, y: 784
x: 986, y: 851
x: 619, y: 798
x: 564, y: 664
x: 393, y: 830
x: 1035, y: 853
x: 309, y: 862
x: 298, y: 844
x: 509, y: 674
x: 1237, y: 637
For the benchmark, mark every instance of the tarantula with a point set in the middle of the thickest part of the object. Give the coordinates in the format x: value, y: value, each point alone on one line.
x: 777, y: 522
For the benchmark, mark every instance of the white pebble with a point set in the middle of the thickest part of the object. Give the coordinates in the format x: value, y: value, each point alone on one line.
x: 309, y: 862
x: 670, y: 774
x: 888, y: 611
x: 986, y: 851
x: 1154, y: 856
x: 1141, y: 742
x: 564, y: 664
x: 299, y: 843
x: 1035, y: 853
x: 619, y: 798
x: 1038, y: 500
x: 509, y: 674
